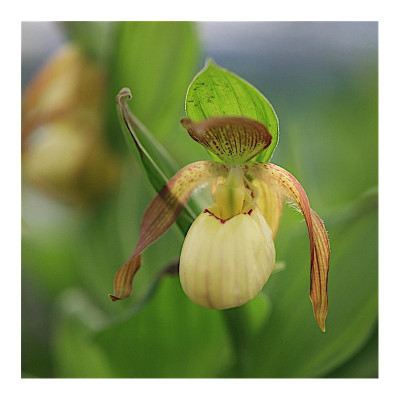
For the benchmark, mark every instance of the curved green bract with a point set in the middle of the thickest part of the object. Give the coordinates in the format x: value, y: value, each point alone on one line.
x: 216, y: 91
x: 152, y: 155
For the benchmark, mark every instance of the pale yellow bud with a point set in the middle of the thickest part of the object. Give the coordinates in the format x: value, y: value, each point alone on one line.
x: 224, y: 264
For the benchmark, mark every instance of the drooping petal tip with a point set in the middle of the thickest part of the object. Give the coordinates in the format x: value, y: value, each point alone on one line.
x: 123, y: 278
x: 319, y: 271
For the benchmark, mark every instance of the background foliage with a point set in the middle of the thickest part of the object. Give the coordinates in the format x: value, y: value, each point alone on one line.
x: 326, y: 101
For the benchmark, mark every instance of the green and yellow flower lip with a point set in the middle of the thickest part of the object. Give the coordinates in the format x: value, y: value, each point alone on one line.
x: 243, y: 190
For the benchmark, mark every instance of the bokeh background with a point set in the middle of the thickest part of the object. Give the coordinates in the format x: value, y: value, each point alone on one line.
x: 84, y: 193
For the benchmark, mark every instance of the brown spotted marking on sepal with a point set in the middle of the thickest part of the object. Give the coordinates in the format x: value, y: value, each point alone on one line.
x: 235, y: 140
x: 165, y: 208
x: 161, y: 213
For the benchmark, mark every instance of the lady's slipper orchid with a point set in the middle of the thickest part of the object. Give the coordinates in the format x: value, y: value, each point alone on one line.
x: 228, y: 253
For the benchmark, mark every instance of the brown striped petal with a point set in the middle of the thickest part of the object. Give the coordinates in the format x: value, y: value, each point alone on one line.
x: 319, y: 271
x: 123, y: 278
x: 235, y: 140
x: 286, y: 184
x: 161, y: 213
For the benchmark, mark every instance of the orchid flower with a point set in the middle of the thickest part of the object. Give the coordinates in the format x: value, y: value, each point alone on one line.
x: 229, y: 253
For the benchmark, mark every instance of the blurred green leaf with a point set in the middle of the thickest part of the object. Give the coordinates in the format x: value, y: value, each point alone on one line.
x: 291, y: 344
x: 76, y: 356
x: 363, y: 365
x: 48, y: 258
x: 156, y: 60
x: 217, y: 92
x: 36, y: 333
x: 95, y: 37
x: 258, y: 311
x: 331, y: 141
x: 170, y: 338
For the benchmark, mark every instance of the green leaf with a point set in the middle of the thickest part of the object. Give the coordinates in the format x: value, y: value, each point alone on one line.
x: 76, y: 356
x: 149, y: 149
x: 47, y: 259
x: 170, y: 338
x: 218, y: 92
x: 363, y: 365
x: 291, y: 345
x: 94, y: 37
x: 156, y: 60
x: 138, y: 135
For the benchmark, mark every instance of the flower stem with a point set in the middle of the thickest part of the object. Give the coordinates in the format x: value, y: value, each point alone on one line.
x: 236, y: 320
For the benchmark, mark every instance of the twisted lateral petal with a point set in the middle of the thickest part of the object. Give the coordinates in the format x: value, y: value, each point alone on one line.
x: 123, y: 278
x: 319, y: 271
x: 285, y: 183
x: 166, y: 206
x: 162, y: 213
x: 235, y: 140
